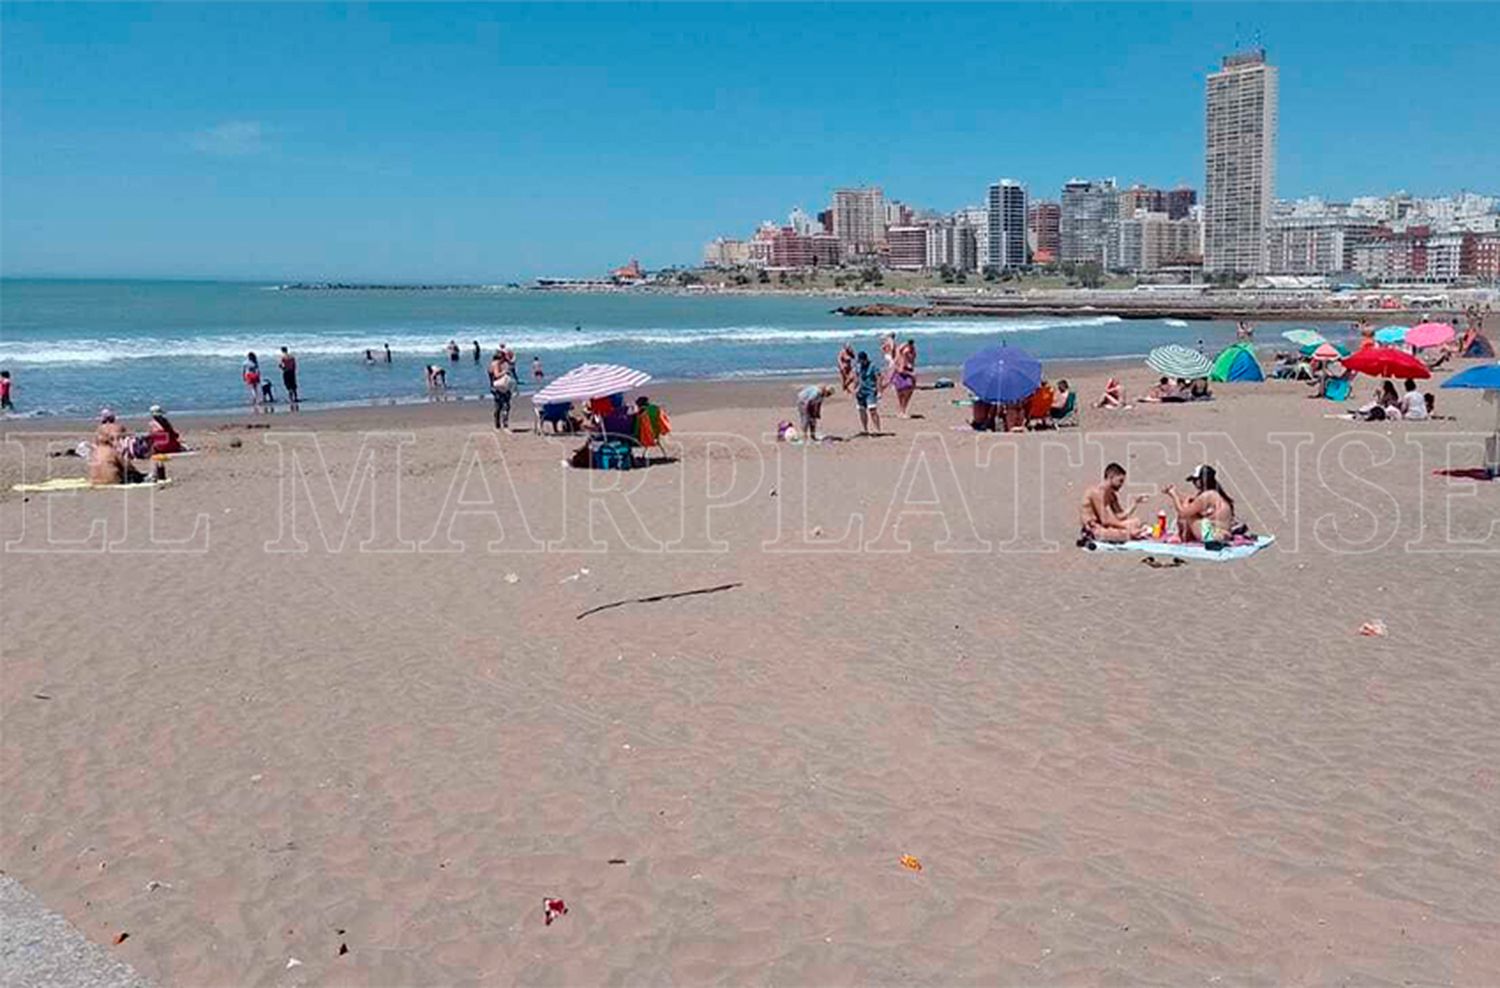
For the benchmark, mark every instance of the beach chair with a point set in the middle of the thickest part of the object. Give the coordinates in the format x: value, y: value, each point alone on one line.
x: 1068, y: 414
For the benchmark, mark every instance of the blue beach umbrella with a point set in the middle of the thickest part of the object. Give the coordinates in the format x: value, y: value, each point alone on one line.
x: 1002, y: 374
x: 1391, y: 334
x: 1485, y: 377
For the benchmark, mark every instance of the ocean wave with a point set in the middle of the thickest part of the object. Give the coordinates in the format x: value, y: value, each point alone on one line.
x: 526, y: 339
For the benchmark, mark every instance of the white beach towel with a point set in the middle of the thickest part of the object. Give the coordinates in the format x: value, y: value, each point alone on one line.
x: 1188, y: 550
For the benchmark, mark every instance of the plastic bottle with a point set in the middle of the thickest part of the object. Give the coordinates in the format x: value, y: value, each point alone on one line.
x: 1160, y: 529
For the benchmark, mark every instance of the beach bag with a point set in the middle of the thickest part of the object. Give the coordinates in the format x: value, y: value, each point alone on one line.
x: 613, y: 456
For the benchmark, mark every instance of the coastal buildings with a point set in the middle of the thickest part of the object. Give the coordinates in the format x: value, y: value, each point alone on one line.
x: 722, y: 252
x: 1180, y: 202
x: 859, y: 219
x: 908, y: 247
x: 1316, y: 244
x: 1086, y: 220
x: 1006, y: 223
x: 1043, y: 230
x: 1150, y: 241
x: 1240, y: 163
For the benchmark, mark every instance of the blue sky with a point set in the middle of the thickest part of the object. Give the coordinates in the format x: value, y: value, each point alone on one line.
x: 498, y: 142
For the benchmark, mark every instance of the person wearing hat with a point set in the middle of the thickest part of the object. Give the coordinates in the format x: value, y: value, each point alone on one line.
x: 164, y: 438
x: 1207, y: 515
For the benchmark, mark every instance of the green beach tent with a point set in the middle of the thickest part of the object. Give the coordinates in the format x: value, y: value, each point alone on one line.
x: 1237, y: 363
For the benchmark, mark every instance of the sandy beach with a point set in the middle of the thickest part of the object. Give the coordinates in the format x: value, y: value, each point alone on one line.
x: 247, y: 728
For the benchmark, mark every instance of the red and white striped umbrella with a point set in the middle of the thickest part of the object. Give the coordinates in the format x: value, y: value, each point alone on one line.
x: 591, y: 381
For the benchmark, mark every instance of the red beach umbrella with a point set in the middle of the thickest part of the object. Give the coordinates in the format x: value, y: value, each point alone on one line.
x: 1386, y: 361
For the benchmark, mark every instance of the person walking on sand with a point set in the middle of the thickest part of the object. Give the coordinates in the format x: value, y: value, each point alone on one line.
x: 867, y: 394
x: 250, y: 374
x: 288, y: 365
x: 1100, y: 517
x: 904, y: 374
x: 847, y: 379
x: 5, y: 403
x: 502, y: 386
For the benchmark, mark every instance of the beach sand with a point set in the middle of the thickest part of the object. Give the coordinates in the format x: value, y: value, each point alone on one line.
x: 379, y: 760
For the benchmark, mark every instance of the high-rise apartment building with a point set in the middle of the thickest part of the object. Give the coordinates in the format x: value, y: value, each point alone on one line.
x: 1087, y: 220
x: 1180, y: 202
x: 1240, y: 163
x: 1316, y: 244
x: 1006, y: 220
x: 859, y: 219
x: 1043, y: 230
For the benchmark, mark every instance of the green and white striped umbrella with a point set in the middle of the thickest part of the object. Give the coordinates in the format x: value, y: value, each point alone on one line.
x: 1174, y: 360
x: 1305, y: 337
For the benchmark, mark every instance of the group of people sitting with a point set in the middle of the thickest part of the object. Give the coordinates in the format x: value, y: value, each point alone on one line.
x: 112, y: 452
x: 1206, y: 514
x: 641, y: 425
x: 1164, y: 390
x: 1385, y: 404
x: 1045, y: 408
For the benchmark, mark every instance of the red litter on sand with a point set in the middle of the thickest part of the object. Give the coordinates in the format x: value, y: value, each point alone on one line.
x: 552, y: 909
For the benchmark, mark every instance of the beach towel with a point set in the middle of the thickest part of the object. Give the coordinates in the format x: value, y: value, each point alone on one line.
x: 82, y: 484
x: 1188, y: 550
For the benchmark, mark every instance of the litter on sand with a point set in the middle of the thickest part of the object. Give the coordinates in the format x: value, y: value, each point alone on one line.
x: 1373, y: 629
x: 910, y: 863
x: 552, y: 909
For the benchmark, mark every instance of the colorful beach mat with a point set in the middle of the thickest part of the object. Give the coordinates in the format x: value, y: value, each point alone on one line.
x: 82, y: 484
x: 1188, y: 550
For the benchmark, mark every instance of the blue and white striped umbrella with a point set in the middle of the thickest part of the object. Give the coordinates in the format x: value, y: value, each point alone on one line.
x: 1175, y: 360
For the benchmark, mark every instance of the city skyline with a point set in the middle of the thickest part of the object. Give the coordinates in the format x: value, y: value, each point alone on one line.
x: 156, y: 141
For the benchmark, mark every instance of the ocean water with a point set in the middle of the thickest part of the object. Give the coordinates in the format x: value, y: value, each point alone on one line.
x: 73, y: 346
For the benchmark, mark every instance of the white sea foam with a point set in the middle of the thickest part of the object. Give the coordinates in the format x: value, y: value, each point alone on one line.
x: 233, y: 346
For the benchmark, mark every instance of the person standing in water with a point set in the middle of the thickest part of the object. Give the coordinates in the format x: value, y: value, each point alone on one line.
x: 250, y: 374
x: 453, y: 351
x: 476, y: 351
x: 502, y: 386
x: 387, y: 353
x: 288, y: 365
x: 537, y: 374
x: 5, y: 402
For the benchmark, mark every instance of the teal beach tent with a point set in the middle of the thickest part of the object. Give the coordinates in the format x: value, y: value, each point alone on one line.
x: 1237, y: 363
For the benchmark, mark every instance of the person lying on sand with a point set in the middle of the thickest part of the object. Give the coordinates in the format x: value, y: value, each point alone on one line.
x: 1100, y: 516
x: 1206, y: 515
x: 1165, y: 390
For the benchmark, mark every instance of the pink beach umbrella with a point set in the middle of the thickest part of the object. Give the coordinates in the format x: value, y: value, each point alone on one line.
x: 1327, y: 352
x: 1429, y: 334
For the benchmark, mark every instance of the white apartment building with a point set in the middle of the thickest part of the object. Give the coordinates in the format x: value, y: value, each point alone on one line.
x: 724, y: 253
x: 1316, y: 244
x: 1240, y: 163
x: 1006, y: 223
x: 1152, y: 241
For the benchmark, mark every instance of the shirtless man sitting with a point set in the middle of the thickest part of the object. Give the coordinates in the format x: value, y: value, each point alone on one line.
x: 108, y: 463
x: 1101, y: 518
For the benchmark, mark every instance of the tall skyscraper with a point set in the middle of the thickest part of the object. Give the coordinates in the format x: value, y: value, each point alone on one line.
x: 859, y: 219
x: 1006, y: 219
x: 1087, y: 223
x: 1240, y: 163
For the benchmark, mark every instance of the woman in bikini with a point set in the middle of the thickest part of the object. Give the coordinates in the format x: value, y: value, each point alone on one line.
x: 904, y: 374
x: 1206, y: 515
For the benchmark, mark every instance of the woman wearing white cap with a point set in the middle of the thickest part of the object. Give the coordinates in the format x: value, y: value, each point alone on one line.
x: 164, y: 438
